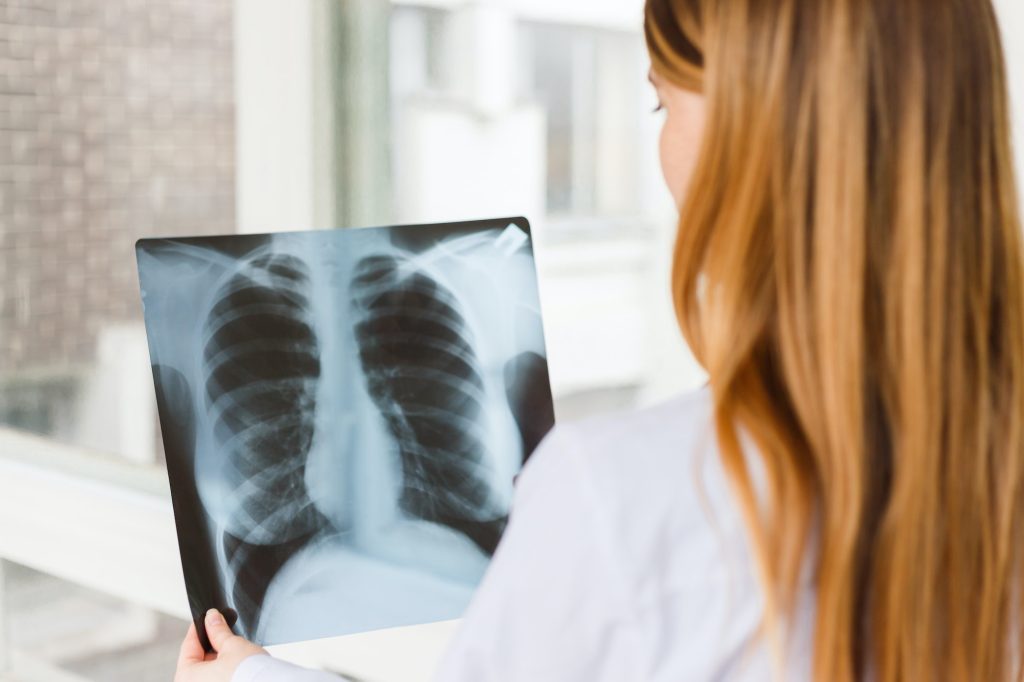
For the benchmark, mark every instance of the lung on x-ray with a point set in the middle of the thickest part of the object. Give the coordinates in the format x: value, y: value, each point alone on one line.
x: 343, y: 413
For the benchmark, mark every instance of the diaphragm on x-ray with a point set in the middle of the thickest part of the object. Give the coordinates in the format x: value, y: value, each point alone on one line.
x: 343, y: 413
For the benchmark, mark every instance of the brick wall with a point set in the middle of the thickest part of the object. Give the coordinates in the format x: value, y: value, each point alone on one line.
x: 116, y: 122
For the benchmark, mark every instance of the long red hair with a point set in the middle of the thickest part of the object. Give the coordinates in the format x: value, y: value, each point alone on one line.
x: 849, y: 270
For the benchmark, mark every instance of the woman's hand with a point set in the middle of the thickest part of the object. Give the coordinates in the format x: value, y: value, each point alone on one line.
x: 195, y: 665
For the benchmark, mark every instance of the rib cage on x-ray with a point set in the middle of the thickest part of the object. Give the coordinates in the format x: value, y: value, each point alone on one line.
x: 262, y: 365
x: 422, y: 373
x: 358, y: 400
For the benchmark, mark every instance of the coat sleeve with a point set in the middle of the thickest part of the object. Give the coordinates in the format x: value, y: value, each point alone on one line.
x: 551, y: 603
x: 264, y: 668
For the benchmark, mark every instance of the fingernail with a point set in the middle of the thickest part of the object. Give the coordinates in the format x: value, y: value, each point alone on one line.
x: 213, y: 616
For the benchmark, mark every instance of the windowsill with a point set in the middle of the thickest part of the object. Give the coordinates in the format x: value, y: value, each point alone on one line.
x: 45, y: 453
x: 91, y: 520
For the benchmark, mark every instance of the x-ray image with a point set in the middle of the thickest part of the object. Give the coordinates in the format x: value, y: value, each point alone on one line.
x: 343, y: 413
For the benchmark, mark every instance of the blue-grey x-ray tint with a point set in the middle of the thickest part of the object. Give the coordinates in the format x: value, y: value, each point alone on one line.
x: 343, y: 413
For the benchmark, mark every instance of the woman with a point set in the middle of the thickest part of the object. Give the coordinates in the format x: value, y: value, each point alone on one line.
x: 845, y: 499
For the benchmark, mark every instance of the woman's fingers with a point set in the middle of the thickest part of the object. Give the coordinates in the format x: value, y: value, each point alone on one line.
x: 231, y: 648
x: 217, y: 629
x: 195, y: 665
x: 191, y: 650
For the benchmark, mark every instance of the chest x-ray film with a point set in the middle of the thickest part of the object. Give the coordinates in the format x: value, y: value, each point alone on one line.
x: 343, y: 413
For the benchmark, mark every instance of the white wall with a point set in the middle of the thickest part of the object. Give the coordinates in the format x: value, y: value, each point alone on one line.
x: 276, y: 146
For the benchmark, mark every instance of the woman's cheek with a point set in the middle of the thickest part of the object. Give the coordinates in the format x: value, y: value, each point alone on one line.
x: 670, y: 153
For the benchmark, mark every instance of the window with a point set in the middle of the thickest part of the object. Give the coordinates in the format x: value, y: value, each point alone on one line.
x: 121, y: 120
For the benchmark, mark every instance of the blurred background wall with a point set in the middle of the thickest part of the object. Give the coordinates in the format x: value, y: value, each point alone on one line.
x: 122, y: 119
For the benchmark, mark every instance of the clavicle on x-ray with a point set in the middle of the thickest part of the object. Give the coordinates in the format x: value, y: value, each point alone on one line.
x: 343, y: 413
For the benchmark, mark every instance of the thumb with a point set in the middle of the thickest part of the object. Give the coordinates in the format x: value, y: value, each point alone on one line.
x: 217, y: 629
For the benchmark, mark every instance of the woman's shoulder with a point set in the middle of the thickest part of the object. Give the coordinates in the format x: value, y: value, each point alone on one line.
x: 627, y: 445
x: 613, y: 565
x: 634, y: 452
x: 636, y: 508
x: 654, y: 432
x: 656, y: 485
